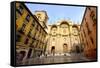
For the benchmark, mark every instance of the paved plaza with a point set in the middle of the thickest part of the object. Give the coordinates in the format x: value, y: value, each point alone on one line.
x: 55, y: 59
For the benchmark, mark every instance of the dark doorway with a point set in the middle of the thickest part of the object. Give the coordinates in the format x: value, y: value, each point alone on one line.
x: 65, y: 48
x: 53, y: 47
x: 77, y: 49
x: 29, y: 53
x: 53, y: 50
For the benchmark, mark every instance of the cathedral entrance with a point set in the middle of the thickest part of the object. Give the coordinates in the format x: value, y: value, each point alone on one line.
x: 53, y: 50
x: 65, y: 48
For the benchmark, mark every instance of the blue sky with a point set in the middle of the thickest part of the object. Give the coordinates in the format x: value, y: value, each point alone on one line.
x: 56, y: 12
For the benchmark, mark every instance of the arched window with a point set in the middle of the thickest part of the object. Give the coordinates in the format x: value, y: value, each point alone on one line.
x: 39, y: 16
x: 64, y: 28
x: 54, y: 30
x: 75, y: 30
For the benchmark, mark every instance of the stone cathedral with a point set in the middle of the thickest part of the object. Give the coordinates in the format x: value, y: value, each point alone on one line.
x: 63, y: 37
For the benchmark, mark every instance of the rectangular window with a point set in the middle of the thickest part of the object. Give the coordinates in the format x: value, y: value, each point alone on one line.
x: 29, y: 34
x: 32, y: 43
x: 28, y: 17
x: 33, y: 23
x: 89, y: 31
x: 24, y: 25
x: 20, y: 10
x: 91, y: 39
x: 35, y: 35
x: 84, y: 33
x: 25, y: 22
x: 22, y: 30
x: 93, y: 17
x: 18, y: 37
x: 26, y: 41
x: 17, y: 15
x: 37, y: 27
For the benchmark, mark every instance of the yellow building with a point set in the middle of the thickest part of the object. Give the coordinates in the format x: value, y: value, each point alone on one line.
x: 63, y: 37
x: 30, y: 34
x: 88, y: 32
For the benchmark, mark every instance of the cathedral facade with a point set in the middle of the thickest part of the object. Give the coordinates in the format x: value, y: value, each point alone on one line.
x: 63, y: 37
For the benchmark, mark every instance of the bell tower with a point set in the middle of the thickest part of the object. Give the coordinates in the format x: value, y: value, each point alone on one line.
x: 42, y: 17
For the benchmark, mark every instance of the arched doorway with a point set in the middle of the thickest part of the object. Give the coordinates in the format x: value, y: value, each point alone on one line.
x: 53, y: 50
x: 65, y: 48
x: 77, y: 49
